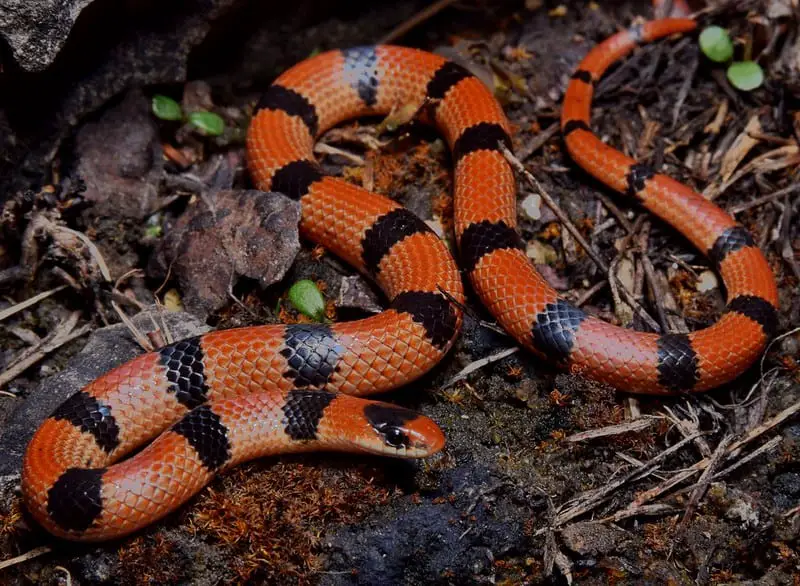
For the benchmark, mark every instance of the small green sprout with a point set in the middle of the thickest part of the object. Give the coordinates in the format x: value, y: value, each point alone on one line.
x: 166, y: 108
x: 745, y: 75
x: 307, y: 298
x: 208, y: 123
x: 153, y: 231
x: 716, y: 44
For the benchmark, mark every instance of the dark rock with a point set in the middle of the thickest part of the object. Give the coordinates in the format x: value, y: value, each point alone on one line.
x: 419, y: 543
x: 786, y: 489
x: 219, y: 171
x: 355, y: 293
x: 119, y: 160
x: 149, y: 45
x: 96, y: 567
x: 227, y: 235
x: 35, y: 30
x: 106, y: 348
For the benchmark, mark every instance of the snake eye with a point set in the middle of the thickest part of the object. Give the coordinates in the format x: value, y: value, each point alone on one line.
x: 395, y: 437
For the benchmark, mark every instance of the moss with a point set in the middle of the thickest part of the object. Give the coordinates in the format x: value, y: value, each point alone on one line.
x: 268, y: 517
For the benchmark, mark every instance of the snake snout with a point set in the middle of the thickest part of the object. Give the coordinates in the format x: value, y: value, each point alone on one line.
x: 402, y: 432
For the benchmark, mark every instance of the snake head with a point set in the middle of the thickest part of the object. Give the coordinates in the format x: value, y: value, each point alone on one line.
x: 402, y: 432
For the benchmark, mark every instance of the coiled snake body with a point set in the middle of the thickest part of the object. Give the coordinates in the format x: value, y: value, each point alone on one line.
x: 229, y: 396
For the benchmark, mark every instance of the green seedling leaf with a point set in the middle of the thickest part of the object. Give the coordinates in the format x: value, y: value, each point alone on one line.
x: 745, y: 75
x: 716, y: 44
x: 166, y: 108
x: 307, y: 298
x: 209, y: 123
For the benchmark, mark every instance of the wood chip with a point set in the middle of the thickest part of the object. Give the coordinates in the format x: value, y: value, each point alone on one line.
x: 743, y: 144
x: 715, y: 126
x: 630, y: 426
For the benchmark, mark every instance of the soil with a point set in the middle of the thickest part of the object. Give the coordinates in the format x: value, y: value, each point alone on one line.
x: 534, y: 486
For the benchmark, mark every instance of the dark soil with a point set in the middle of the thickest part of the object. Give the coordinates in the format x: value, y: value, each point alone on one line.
x: 510, y: 499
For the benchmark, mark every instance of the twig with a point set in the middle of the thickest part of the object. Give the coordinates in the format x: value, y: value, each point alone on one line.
x: 764, y: 199
x: 615, y: 211
x: 553, y: 556
x: 703, y: 483
x: 692, y: 270
x: 635, y: 425
x: 787, y: 252
x: 622, y: 309
x: 684, y: 91
x: 473, y: 366
x: 650, y: 275
x: 68, y: 576
x: 326, y: 149
x: 589, y: 293
x: 793, y: 511
x: 689, y: 426
x: 703, y: 464
x: 415, y: 20
x: 597, y: 497
x: 539, y: 141
x: 774, y: 160
x: 163, y: 327
x: 137, y: 334
x: 9, y: 311
x: 758, y: 430
x: 660, y: 489
x: 564, y: 219
x: 767, y: 447
x: 649, y: 510
x: 93, y: 250
x: 470, y: 312
x: 62, y: 334
x: 29, y: 555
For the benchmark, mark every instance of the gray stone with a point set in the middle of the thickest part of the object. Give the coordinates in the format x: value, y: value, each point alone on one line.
x: 355, y: 292
x: 41, y: 110
x: 119, y: 160
x: 35, y: 30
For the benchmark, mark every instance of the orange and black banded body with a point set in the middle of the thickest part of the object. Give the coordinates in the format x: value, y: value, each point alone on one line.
x: 71, y: 482
x: 651, y: 363
x: 237, y: 394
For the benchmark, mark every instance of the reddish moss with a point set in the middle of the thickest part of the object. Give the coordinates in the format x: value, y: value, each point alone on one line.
x: 145, y: 559
x: 273, y: 518
x: 659, y: 536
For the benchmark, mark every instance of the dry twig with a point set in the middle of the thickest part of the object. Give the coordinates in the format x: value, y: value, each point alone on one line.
x: 730, y: 451
x: 63, y: 333
x: 137, y: 334
x: 764, y: 199
x: 9, y: 311
x: 477, y: 364
x: 627, y: 427
x: 590, y: 500
x: 705, y: 480
x: 28, y: 555
x: 414, y: 21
